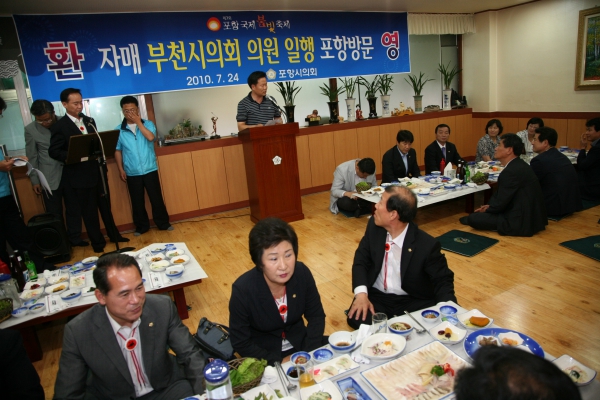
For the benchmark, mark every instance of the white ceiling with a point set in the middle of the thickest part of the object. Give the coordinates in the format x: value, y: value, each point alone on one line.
x: 107, y: 6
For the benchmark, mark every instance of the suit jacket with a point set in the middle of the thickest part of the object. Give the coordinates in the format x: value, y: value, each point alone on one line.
x: 519, y: 201
x: 343, y: 181
x: 18, y: 377
x: 588, y: 169
x: 37, y: 143
x: 393, y: 166
x: 90, y: 347
x: 254, y: 319
x: 433, y: 156
x: 423, y: 268
x: 80, y: 175
x: 558, y: 180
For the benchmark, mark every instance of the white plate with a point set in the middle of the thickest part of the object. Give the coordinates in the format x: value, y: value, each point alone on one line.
x: 186, y: 259
x: 388, y: 378
x: 77, y: 281
x: 155, y: 257
x: 398, y: 344
x: 159, y: 266
x: 59, y: 279
x: 564, y: 362
x: 31, y: 294
x: 50, y: 289
x: 39, y: 281
x: 174, y: 253
x: 463, y: 319
x: 266, y: 389
x: 90, y: 260
x: 458, y: 334
x: 325, y: 386
x: 336, y: 367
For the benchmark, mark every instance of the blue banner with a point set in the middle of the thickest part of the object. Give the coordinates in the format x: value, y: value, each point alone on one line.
x: 119, y: 54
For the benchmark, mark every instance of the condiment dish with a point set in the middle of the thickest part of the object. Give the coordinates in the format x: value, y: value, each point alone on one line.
x: 342, y: 341
x: 401, y: 325
x: 174, y: 272
x: 71, y: 296
x: 430, y: 316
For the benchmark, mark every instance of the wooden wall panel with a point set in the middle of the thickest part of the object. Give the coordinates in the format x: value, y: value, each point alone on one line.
x: 31, y: 204
x: 120, y: 202
x: 210, y: 177
x: 178, y: 183
x: 387, y: 139
x: 344, y: 145
x: 322, y: 159
x: 427, y: 135
x: 467, y: 140
x: 368, y: 145
x: 575, y: 128
x: 235, y: 169
x: 511, y: 125
x: 418, y: 144
x: 303, y: 161
x: 561, y: 127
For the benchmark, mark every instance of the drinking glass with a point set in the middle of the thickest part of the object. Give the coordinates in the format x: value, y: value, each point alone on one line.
x: 379, y: 323
x: 305, y: 370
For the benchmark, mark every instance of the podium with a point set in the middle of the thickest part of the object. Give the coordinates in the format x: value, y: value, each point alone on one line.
x: 272, y: 172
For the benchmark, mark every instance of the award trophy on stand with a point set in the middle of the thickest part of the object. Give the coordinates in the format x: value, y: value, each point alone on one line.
x: 213, y: 134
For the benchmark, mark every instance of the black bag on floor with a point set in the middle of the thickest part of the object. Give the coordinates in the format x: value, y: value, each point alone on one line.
x: 214, y: 340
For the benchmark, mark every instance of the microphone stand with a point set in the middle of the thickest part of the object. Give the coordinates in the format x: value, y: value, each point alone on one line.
x: 105, y: 198
x: 279, y: 108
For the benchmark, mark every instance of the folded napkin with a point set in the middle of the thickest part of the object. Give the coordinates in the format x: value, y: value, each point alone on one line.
x: 363, y: 332
x: 447, y: 170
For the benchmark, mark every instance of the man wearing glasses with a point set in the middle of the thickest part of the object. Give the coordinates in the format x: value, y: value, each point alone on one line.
x: 37, y: 142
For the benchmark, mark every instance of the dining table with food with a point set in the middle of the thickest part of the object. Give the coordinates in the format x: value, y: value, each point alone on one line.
x: 416, y: 354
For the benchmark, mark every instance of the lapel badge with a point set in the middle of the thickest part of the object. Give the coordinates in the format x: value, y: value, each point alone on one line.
x: 409, y: 250
x: 151, y: 324
x: 294, y: 295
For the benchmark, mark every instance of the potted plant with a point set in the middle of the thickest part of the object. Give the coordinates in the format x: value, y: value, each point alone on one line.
x: 448, y: 75
x: 371, y: 89
x: 187, y: 127
x: 417, y: 86
x: 350, y: 87
x: 332, y: 94
x: 385, y: 88
x: 288, y: 91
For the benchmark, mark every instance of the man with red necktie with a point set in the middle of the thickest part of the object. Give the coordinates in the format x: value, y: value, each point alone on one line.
x: 397, y: 266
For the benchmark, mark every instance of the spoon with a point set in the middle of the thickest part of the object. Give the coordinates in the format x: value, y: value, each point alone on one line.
x: 290, y: 385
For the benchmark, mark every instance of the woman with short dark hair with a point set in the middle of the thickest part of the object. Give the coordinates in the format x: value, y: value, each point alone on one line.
x: 486, y: 146
x: 268, y: 302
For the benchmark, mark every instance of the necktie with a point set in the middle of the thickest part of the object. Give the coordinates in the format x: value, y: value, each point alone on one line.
x: 405, y: 159
x: 444, y: 152
x: 130, y: 344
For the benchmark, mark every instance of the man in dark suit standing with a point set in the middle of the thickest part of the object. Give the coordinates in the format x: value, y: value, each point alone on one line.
x: 81, y: 179
x: 440, y: 149
x: 400, y: 161
x: 397, y: 266
x: 517, y: 208
x: 119, y: 348
x: 588, y: 162
x: 556, y: 174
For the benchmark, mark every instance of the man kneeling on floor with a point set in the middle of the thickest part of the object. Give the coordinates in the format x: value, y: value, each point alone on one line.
x: 343, y: 189
x: 119, y: 348
x: 397, y: 266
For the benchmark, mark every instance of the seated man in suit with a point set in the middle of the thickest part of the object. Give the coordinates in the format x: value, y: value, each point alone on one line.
x: 343, y: 188
x: 588, y: 162
x: 119, y: 348
x: 400, y: 161
x: 556, y: 174
x: 397, y: 266
x: 440, y: 149
x: 517, y: 208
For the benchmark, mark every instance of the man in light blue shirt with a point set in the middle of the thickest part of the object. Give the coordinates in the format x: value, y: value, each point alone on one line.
x: 136, y: 161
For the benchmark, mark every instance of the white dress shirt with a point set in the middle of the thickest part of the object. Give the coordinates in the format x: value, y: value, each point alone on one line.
x: 138, y: 376
x: 79, y: 123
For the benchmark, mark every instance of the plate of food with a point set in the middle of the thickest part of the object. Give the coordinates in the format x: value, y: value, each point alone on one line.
x: 57, y: 288
x: 321, y: 391
x: 504, y: 337
x: 32, y: 285
x: 58, y: 279
x: 262, y: 392
x: 155, y: 257
x: 383, y: 346
x: 352, y: 390
x: 77, y: 281
x: 474, y: 320
x: 174, y: 253
x: 32, y: 293
x: 448, y: 333
x: 428, y: 371
x: 159, y: 266
x: 335, y: 367
x: 180, y: 260
x: 579, y: 373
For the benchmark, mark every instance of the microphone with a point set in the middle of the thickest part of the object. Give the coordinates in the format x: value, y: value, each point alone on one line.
x: 89, y: 123
x: 276, y: 105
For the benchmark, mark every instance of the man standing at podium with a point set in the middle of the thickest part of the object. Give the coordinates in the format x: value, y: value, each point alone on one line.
x: 257, y: 109
x: 81, y: 179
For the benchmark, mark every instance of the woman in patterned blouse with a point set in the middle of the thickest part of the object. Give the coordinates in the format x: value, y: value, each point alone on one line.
x: 487, y: 144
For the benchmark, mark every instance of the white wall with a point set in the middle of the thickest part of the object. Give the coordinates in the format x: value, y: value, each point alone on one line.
x: 533, y: 50
x: 172, y: 107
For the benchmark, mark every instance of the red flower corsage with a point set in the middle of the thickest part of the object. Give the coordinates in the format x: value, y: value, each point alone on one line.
x: 387, y: 247
x: 130, y: 344
x: 82, y: 129
x: 282, y: 309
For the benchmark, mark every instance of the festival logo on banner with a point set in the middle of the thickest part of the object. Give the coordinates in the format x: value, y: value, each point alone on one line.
x: 158, y: 52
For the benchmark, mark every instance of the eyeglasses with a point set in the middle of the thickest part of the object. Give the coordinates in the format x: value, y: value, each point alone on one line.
x: 44, y: 121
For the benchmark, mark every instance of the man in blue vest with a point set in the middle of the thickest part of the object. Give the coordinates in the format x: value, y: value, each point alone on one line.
x: 136, y: 161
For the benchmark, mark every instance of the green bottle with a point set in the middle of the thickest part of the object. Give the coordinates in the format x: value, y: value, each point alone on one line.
x: 467, y: 175
x: 30, y: 266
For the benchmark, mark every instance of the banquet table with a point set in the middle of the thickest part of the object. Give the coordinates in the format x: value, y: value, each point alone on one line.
x: 415, y: 341
x: 423, y: 201
x: 26, y: 325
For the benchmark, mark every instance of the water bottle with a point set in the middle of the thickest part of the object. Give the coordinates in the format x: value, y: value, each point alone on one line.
x: 218, y: 384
